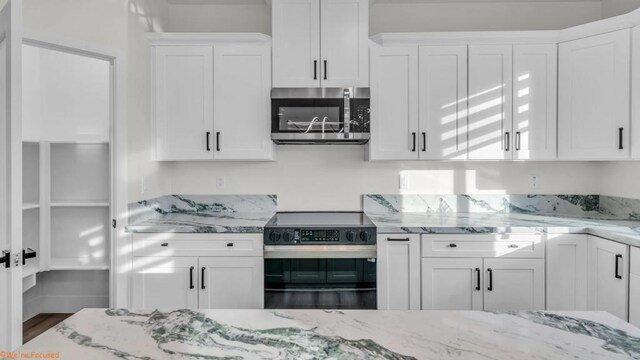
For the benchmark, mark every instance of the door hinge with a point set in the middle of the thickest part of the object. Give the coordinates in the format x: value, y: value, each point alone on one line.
x: 114, y: 223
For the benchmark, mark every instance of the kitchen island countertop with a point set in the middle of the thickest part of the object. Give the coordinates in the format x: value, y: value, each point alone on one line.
x: 356, y: 334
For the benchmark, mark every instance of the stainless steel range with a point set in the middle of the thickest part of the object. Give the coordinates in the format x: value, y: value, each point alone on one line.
x: 320, y: 260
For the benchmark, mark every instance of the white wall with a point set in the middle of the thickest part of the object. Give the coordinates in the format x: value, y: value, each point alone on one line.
x: 220, y: 18
x: 620, y: 179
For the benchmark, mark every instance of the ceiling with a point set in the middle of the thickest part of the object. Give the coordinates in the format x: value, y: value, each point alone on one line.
x: 257, y: 2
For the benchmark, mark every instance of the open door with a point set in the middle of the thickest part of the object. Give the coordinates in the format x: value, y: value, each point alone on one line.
x: 11, y: 175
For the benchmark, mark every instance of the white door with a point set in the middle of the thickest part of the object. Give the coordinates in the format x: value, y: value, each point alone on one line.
x: 443, y: 102
x: 593, y: 105
x: 514, y: 284
x: 398, y: 272
x: 452, y: 284
x: 344, y: 42
x: 634, y: 287
x: 296, y: 43
x: 165, y: 282
x: 490, y: 119
x: 231, y: 283
x: 394, y: 103
x: 11, y: 174
x: 534, y: 101
x: 242, y: 103
x: 607, y: 288
x: 567, y: 272
x: 183, y: 102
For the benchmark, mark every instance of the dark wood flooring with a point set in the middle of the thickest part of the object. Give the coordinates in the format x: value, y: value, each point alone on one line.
x: 39, y: 324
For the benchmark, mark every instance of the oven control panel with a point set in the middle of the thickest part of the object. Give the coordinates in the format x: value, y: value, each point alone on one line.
x: 310, y: 236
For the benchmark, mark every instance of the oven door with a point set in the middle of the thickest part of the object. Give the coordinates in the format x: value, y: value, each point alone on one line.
x: 320, y: 283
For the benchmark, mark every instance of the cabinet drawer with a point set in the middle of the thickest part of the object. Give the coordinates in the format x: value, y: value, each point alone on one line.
x: 635, y: 261
x: 197, y: 245
x: 486, y: 245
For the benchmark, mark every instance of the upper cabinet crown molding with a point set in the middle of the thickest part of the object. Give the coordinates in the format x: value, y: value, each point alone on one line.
x: 167, y: 38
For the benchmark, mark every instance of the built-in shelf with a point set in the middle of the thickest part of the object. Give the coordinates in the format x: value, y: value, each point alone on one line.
x: 79, y: 204
x: 29, y: 269
x: 76, y: 264
x: 30, y: 206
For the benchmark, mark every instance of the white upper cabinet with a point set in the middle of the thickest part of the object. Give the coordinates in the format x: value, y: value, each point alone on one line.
x: 320, y: 43
x: 344, y: 28
x: 534, y: 101
x: 241, y: 112
x: 443, y: 102
x: 296, y: 43
x: 608, y: 282
x: 490, y: 102
x: 394, y: 103
x: 182, y: 101
x: 593, y: 121
x: 211, y: 101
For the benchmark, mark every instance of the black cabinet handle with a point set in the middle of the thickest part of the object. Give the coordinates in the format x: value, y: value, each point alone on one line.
x: 164, y: 244
x: 202, y: 277
x: 478, y: 279
x: 229, y: 244
x: 325, y: 69
x: 453, y: 245
x: 413, y: 136
x: 315, y: 69
x: 518, y: 141
x: 208, y: 140
x: 424, y: 141
x: 620, y: 132
x: 28, y: 254
x: 507, y: 140
x: 218, y: 141
x: 618, y: 257
x: 490, y: 288
x: 398, y: 239
x: 191, y: 278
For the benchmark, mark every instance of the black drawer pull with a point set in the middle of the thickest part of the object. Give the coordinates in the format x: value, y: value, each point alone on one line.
x: 478, y: 279
x: 620, y: 131
x: 218, y: 141
x: 424, y: 141
x: 315, y: 69
x: 398, y: 239
x: 208, y: 140
x: 513, y: 246
x: 507, y: 141
x: 202, y: 277
x: 518, y: 141
x: 191, y: 278
x: 229, y: 244
x: 413, y: 136
x: 164, y: 244
x: 325, y: 69
x: 618, y: 257
x: 490, y: 288
x: 452, y: 245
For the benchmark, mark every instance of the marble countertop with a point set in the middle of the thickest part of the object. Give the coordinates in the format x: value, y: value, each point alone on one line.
x: 625, y: 231
x: 317, y: 334
x: 245, y: 222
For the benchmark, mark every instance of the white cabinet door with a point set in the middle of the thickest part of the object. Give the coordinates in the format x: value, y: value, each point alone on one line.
x: 165, y: 283
x: 296, y: 43
x: 394, y: 103
x: 593, y: 105
x: 183, y: 102
x: 634, y: 287
x: 398, y: 272
x: 452, y: 284
x: 231, y: 283
x: 534, y: 101
x: 443, y: 104
x: 242, y: 107
x: 608, y: 282
x: 490, y: 102
x: 567, y: 272
x: 344, y: 38
x: 514, y: 284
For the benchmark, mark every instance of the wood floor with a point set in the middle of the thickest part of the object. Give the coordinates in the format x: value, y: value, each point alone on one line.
x: 39, y: 324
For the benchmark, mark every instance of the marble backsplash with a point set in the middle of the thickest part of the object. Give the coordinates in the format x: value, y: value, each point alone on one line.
x: 575, y: 205
x: 201, y: 205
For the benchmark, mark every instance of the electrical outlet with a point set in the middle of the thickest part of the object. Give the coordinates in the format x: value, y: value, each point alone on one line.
x: 533, y: 181
x: 221, y: 182
x: 404, y: 182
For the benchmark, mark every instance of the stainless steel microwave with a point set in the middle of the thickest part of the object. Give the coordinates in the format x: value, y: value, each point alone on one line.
x: 320, y: 115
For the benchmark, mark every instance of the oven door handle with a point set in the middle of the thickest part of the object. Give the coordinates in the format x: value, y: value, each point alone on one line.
x: 319, y: 251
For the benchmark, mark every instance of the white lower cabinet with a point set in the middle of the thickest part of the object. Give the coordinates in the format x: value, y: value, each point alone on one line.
x: 567, y: 272
x: 634, y: 287
x: 231, y: 283
x: 452, y: 284
x: 608, y: 283
x: 514, y: 284
x: 398, y: 272
x: 165, y: 283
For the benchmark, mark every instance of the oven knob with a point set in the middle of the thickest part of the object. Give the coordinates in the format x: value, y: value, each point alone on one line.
x: 365, y: 236
x: 351, y: 236
x: 287, y: 236
x: 274, y: 236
